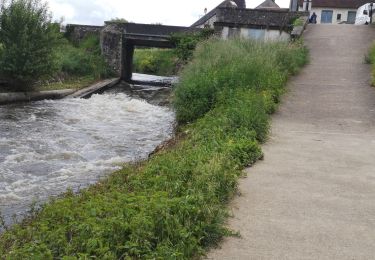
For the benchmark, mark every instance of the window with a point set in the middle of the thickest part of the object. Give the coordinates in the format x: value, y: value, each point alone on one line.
x: 338, y: 17
x: 234, y: 33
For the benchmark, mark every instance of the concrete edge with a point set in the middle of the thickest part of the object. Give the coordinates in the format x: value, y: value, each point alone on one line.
x: 299, y: 30
x: 15, y: 97
x: 95, y: 88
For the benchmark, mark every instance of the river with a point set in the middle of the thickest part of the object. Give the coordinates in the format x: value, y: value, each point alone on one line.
x: 49, y: 146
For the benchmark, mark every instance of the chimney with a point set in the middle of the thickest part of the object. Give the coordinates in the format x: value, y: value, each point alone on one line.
x: 240, y: 3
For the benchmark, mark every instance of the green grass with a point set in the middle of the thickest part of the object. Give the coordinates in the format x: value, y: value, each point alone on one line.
x: 161, y: 62
x: 84, y: 60
x: 370, y: 59
x: 173, y: 206
x: 70, y: 83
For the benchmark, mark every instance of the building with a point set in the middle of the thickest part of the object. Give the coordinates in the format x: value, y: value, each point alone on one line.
x: 258, y: 24
x: 267, y: 22
x: 332, y: 11
x: 208, y: 20
x: 268, y: 5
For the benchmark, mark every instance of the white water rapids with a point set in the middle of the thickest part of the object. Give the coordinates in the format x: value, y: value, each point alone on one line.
x: 49, y: 146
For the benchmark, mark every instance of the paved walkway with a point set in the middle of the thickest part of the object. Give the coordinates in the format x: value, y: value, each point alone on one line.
x: 313, y: 197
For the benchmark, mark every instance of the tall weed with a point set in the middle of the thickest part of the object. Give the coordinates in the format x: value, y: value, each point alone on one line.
x: 84, y: 60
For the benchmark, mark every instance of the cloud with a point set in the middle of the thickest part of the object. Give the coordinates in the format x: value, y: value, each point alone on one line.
x: 173, y: 12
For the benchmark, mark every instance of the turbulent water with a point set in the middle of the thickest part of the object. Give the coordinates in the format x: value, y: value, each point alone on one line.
x: 49, y: 146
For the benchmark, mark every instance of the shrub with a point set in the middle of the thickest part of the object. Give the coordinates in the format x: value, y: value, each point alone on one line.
x: 186, y: 42
x: 370, y: 59
x: 84, y: 60
x: 28, y: 39
x: 156, y: 61
x: 222, y: 67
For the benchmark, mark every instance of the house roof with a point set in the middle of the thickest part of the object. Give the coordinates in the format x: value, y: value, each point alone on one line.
x: 268, y: 4
x: 256, y: 18
x: 351, y: 4
x: 210, y: 14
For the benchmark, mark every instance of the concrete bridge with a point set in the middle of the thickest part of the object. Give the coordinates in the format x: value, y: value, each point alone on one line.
x: 145, y: 35
x: 118, y: 40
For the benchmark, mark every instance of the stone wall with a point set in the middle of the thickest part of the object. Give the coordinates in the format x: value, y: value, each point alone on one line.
x: 76, y: 32
x: 256, y: 18
x: 113, y: 37
x: 111, y: 43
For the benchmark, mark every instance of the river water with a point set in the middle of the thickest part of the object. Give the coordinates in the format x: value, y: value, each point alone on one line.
x: 49, y: 146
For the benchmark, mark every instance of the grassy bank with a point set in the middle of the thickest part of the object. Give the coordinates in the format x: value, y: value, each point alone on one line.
x: 173, y: 206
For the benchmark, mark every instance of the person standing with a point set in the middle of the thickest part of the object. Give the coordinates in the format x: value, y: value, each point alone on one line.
x: 313, y: 18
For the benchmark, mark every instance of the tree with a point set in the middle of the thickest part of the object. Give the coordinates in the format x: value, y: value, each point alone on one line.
x: 28, y: 38
x: 119, y: 20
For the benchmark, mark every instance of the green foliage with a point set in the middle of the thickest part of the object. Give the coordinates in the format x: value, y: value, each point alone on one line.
x: 28, y: 39
x: 173, y: 205
x: 119, y: 20
x: 221, y: 67
x: 186, y: 42
x: 84, y: 60
x: 169, y: 62
x: 298, y: 22
x: 155, y: 61
x: 370, y: 59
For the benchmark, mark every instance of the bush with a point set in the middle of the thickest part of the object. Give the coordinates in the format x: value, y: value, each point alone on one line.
x: 28, y: 40
x: 172, y: 206
x: 83, y: 60
x: 186, y: 43
x: 221, y: 67
x: 370, y: 59
x: 156, y: 61
x: 169, y: 62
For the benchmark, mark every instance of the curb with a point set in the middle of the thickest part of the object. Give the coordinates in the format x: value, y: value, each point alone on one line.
x: 15, y: 97
x: 93, y: 89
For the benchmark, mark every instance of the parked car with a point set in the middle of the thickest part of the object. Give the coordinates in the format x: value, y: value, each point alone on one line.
x: 363, y: 14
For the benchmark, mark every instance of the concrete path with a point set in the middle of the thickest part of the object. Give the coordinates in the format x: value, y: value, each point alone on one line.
x: 313, y: 197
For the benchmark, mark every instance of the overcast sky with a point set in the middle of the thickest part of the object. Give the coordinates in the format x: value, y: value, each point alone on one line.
x: 168, y: 12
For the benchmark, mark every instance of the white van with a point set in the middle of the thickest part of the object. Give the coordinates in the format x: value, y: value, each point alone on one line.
x: 363, y: 14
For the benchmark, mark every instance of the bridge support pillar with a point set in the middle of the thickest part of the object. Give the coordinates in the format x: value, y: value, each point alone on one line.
x: 127, y: 60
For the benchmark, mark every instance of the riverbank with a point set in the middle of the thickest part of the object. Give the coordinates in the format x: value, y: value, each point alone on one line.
x: 173, y: 205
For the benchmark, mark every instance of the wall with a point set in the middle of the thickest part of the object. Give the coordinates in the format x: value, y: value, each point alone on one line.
x: 277, y: 18
x: 111, y: 44
x: 260, y: 24
x: 114, y: 35
x: 255, y: 34
x: 77, y: 32
x: 342, y: 11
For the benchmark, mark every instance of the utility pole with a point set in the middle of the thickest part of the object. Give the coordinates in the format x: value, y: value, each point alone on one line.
x: 371, y: 5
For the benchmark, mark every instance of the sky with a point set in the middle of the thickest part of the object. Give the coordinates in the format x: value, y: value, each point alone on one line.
x: 167, y: 12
